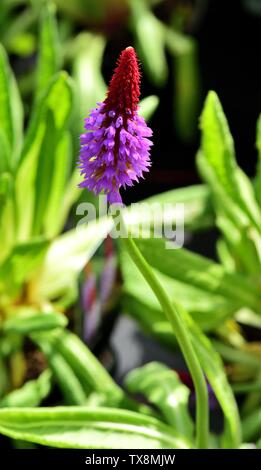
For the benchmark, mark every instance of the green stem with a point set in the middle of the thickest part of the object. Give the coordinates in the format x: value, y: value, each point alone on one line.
x: 172, y: 313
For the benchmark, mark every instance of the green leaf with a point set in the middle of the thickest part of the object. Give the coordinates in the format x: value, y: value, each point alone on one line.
x: 245, y: 253
x: 85, y: 365
x: 90, y: 429
x: 64, y: 375
x: 206, y: 309
x: 22, y: 262
x: 46, y: 128
x: 67, y: 256
x: 196, y: 199
x: 71, y: 195
x: 30, y: 394
x: 209, y: 359
x: 59, y: 99
x: 234, y: 219
x: 85, y: 10
x: 28, y: 323
x: 5, y: 152
x: 19, y: 25
x: 4, y: 376
x: 54, y: 218
x: 151, y: 319
x: 44, y: 173
x: 186, y: 81
x: 218, y: 151
x: 5, y: 107
x: 225, y: 256
x: 187, y: 92
x: 148, y: 106
x: 79, y: 374
x: 49, y: 49
x: 5, y: 186
x: 23, y: 44
x: 251, y: 426
x: 162, y: 387
x: 11, y: 113
x: 217, y: 143
x: 195, y: 270
x: 222, y: 201
x: 215, y: 373
x: 248, y: 200
x: 247, y: 317
x: 236, y: 355
x: 59, y: 108
x: 150, y: 38
x: 87, y: 55
x: 7, y: 215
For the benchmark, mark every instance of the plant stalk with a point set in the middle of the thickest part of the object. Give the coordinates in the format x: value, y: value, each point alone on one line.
x: 172, y: 313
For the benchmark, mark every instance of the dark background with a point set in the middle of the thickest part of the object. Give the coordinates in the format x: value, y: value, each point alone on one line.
x: 229, y: 39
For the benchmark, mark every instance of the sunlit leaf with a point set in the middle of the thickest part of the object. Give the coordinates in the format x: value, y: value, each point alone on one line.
x: 11, y: 112
x: 67, y: 256
x: 49, y: 50
x: 7, y: 214
x: 54, y: 217
x: 47, y: 125
x: 195, y: 200
x: 5, y: 152
x: 90, y: 429
x: 87, y: 61
x: 22, y: 262
x: 198, y: 271
x: 218, y: 150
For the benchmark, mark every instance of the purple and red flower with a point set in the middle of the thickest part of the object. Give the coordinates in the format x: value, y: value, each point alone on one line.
x: 115, y: 150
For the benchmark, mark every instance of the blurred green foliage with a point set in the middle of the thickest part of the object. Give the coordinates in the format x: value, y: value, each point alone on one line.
x: 40, y: 262
x: 98, y: 22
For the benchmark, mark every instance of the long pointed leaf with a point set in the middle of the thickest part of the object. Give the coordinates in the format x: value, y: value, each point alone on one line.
x: 49, y: 49
x: 218, y: 149
x: 199, y: 271
x: 67, y: 256
x: 56, y: 102
x: 64, y: 375
x: 54, y: 218
x: 11, y: 112
x: 90, y: 429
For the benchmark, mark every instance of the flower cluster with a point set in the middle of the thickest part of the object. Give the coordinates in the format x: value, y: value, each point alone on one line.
x: 115, y: 150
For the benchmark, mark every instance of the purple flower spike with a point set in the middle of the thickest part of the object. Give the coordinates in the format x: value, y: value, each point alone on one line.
x: 115, y: 151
